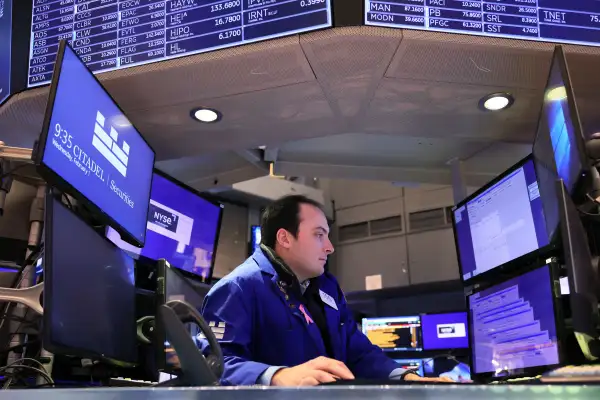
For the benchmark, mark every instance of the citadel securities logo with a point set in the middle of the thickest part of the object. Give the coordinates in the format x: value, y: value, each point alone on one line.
x: 107, y: 145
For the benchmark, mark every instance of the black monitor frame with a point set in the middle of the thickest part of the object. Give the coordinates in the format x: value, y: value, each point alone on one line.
x: 53, y: 178
x: 499, y: 272
x: 53, y: 200
x: 561, y: 331
x: 152, y: 262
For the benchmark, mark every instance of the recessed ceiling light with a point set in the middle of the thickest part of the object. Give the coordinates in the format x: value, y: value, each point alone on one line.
x: 496, y: 102
x: 206, y: 115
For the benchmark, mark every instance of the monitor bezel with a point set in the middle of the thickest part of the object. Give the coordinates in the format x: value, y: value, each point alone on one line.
x: 425, y: 348
x: 536, y: 256
x: 52, y: 201
x: 54, y: 179
x: 417, y: 350
x: 486, y: 377
x: 150, y: 261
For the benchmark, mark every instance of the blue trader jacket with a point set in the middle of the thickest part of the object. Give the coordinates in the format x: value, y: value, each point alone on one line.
x: 260, y: 323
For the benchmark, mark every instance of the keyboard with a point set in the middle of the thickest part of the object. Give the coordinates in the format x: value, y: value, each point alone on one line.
x: 573, y: 373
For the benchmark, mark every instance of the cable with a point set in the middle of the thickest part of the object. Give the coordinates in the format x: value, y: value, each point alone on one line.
x: 14, y: 365
x: 30, y: 368
x: 64, y: 195
x: 4, y: 175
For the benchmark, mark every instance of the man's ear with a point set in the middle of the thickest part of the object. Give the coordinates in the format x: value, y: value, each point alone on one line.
x: 283, y: 238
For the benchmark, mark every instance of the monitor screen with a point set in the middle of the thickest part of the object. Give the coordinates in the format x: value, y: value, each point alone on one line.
x: 89, y: 148
x: 556, y: 149
x: 501, y: 222
x: 394, y: 333
x: 445, y: 367
x: 445, y: 331
x: 413, y: 365
x: 255, y: 238
x: 548, y: 20
x: 113, y: 34
x: 513, y: 325
x: 177, y: 287
x: 89, y: 290
x: 5, y: 48
x: 182, y: 227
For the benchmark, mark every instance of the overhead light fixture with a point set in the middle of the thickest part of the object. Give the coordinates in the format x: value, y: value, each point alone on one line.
x: 206, y: 115
x: 496, y: 102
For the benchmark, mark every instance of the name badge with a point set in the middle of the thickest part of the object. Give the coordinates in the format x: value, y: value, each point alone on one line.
x: 327, y: 299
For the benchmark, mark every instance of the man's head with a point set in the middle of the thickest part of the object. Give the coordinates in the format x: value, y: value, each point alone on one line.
x: 297, y: 229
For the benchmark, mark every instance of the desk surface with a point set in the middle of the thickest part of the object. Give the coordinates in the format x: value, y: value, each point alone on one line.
x: 460, y: 392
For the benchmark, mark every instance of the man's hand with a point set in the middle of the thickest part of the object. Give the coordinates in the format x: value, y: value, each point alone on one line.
x: 417, y: 378
x: 312, y: 373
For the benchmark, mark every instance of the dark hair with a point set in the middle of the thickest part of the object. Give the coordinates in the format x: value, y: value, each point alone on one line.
x: 283, y: 213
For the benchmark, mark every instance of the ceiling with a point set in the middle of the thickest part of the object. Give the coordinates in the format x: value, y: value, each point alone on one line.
x: 358, y: 102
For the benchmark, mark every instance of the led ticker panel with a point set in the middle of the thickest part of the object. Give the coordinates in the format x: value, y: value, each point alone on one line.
x: 564, y: 21
x: 112, y: 34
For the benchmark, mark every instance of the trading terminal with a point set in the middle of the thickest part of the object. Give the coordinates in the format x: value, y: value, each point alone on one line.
x: 146, y: 137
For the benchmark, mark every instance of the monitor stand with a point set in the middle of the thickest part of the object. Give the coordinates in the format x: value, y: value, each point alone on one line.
x: 197, y: 370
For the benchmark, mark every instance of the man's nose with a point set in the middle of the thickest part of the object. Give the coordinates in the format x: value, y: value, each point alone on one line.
x: 329, y: 247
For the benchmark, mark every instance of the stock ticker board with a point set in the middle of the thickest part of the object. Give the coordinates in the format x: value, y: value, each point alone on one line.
x: 113, y: 34
x: 563, y: 21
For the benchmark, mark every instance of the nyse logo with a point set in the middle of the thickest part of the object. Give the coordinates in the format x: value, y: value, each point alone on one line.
x: 445, y: 331
x: 107, y: 145
x: 162, y: 218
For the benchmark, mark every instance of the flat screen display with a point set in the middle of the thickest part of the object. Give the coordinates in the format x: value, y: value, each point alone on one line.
x: 394, y: 333
x: 89, y: 292
x: 556, y: 149
x: 5, y: 48
x: 91, y: 145
x: 113, y: 34
x: 445, y: 331
x: 563, y: 21
x: 514, y: 325
x: 415, y: 365
x: 443, y: 367
x: 182, y: 227
x: 255, y: 238
x: 502, y: 222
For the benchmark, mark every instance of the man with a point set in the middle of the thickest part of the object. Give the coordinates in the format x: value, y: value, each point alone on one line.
x: 281, y: 319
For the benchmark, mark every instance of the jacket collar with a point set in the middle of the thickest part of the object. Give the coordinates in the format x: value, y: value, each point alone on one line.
x: 268, y: 261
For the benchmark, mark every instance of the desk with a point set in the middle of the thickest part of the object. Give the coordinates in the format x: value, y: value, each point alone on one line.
x: 460, y: 392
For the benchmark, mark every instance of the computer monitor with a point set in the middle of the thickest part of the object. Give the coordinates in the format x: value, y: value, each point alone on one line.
x: 255, y: 238
x: 394, y: 333
x: 500, y: 223
x: 89, y: 291
x: 516, y: 326
x: 89, y: 149
x: 182, y: 227
x: 415, y: 365
x: 445, y: 331
x: 559, y: 147
x: 450, y: 367
x: 172, y: 285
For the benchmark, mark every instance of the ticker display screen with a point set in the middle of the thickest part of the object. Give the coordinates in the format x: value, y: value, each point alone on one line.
x: 576, y: 22
x: 113, y: 34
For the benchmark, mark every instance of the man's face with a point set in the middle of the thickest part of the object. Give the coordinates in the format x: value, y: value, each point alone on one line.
x: 308, y: 251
